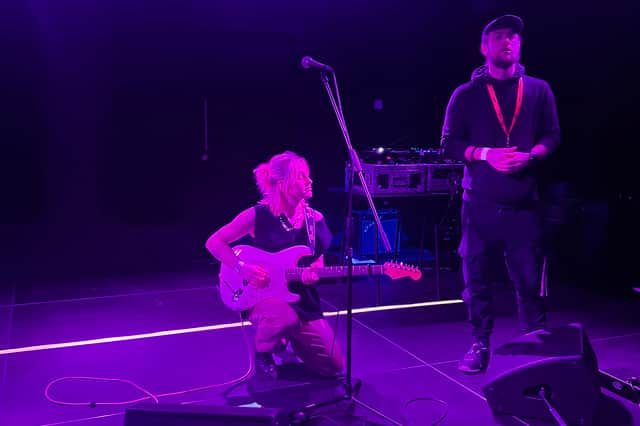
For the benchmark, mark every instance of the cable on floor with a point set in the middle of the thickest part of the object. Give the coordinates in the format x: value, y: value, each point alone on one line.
x: 148, y: 395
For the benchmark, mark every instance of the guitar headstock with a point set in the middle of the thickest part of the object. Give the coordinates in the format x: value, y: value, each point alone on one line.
x: 396, y: 270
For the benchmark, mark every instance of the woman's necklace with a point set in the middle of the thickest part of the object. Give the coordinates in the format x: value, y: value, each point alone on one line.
x: 286, y: 225
x: 290, y: 225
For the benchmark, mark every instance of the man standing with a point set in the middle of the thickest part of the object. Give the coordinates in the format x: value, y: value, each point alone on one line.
x: 501, y: 124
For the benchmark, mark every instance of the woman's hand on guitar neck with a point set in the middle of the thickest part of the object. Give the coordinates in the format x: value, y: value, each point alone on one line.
x: 309, y: 277
x: 255, y: 275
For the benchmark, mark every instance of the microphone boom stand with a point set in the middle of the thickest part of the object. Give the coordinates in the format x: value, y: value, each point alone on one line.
x: 351, y: 389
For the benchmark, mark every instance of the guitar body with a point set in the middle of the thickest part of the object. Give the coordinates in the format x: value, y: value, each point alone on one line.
x: 282, y: 267
x: 239, y: 295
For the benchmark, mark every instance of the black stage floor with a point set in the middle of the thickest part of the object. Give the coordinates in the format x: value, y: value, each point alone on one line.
x: 399, y: 354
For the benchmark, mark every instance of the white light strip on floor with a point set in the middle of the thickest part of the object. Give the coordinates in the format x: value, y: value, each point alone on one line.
x: 208, y: 328
x: 120, y: 338
x: 394, y: 307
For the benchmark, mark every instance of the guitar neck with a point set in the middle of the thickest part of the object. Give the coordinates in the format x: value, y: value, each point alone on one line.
x: 295, y: 274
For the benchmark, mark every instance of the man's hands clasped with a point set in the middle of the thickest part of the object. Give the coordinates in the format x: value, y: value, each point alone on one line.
x: 507, y: 160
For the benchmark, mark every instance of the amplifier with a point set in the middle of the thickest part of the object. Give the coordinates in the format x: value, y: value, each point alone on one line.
x: 407, y: 179
x: 443, y: 177
x: 365, y: 231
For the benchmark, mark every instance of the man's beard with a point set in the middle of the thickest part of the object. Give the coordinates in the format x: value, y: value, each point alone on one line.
x: 502, y: 63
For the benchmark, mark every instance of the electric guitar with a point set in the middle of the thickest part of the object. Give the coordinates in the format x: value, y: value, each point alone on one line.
x: 282, y: 267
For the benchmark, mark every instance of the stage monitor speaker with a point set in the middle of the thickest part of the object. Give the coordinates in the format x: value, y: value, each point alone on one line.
x: 149, y: 414
x: 365, y: 231
x: 561, y: 360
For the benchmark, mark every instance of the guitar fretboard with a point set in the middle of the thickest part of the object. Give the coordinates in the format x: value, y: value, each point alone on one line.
x: 294, y: 274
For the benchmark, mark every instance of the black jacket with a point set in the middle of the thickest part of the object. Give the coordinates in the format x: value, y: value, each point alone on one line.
x: 471, y: 120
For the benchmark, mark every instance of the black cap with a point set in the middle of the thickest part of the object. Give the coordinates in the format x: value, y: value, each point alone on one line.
x: 505, y: 21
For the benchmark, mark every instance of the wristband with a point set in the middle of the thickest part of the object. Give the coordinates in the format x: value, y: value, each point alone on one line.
x: 473, y: 151
x: 483, y: 154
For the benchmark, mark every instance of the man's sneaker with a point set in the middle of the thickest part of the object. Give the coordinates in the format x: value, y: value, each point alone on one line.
x: 265, y: 366
x: 476, y: 360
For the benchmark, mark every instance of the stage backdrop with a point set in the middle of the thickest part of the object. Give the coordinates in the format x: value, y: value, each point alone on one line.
x: 103, y: 111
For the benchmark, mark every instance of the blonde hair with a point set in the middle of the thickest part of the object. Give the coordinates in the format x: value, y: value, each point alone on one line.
x: 281, y: 168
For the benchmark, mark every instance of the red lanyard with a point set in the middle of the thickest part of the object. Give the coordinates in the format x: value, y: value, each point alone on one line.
x: 496, y: 106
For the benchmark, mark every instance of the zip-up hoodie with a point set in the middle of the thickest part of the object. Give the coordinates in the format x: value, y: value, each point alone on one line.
x: 471, y: 120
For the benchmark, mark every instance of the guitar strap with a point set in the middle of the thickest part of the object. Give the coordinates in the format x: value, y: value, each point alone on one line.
x: 311, y: 228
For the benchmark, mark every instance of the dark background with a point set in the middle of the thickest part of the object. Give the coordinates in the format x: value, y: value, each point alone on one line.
x: 102, y: 118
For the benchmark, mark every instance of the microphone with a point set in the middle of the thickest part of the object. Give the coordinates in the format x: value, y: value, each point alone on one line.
x: 309, y: 63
